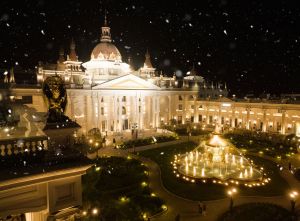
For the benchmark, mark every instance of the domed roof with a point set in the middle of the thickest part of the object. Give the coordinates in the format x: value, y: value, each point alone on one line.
x: 106, y: 51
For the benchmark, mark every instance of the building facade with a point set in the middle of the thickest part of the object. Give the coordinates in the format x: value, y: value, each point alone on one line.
x: 107, y: 93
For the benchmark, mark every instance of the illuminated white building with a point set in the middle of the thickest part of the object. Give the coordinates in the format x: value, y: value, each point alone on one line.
x: 106, y: 93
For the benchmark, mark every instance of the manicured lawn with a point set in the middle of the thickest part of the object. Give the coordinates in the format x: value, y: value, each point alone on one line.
x: 263, y: 144
x: 257, y: 212
x: 208, y: 191
x: 119, y: 188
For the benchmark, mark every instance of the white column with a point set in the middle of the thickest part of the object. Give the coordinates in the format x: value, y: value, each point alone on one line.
x: 233, y: 118
x: 283, y: 118
x: 169, y: 109
x: 264, y: 127
x: 157, y: 112
x: 248, y: 118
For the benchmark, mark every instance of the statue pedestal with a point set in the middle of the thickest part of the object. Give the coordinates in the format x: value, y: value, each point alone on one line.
x: 61, y: 137
x: 61, y: 134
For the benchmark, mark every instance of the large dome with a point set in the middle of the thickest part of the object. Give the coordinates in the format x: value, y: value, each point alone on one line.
x: 106, y: 51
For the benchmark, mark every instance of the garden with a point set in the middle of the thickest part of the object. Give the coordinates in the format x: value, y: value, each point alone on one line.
x: 207, y: 191
x: 147, y: 141
x: 257, y: 212
x: 276, y: 146
x: 117, y: 189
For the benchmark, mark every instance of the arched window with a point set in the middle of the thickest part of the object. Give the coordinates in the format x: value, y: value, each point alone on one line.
x: 123, y: 110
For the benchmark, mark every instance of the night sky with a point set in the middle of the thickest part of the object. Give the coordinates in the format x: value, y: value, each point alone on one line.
x: 254, y: 46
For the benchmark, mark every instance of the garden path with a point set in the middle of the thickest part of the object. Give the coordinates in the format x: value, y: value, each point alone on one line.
x: 188, y: 209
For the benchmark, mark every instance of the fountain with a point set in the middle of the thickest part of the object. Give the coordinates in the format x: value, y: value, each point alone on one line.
x: 217, y: 159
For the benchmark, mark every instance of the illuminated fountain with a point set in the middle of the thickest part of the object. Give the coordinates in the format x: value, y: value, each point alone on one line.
x: 217, y: 159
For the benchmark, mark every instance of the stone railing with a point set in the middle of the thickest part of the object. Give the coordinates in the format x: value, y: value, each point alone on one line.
x: 16, y: 146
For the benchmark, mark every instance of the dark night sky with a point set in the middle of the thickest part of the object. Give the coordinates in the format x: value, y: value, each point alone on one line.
x: 252, y: 45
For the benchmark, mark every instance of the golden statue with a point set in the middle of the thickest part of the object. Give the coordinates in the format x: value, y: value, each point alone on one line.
x: 56, y: 94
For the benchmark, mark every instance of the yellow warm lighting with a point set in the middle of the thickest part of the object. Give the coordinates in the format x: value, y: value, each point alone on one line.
x: 95, y: 211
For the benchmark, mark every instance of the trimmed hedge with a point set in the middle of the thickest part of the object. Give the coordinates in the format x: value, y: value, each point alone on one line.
x: 114, y: 186
x: 297, y: 174
x: 270, y: 145
x: 147, y: 141
x: 257, y: 212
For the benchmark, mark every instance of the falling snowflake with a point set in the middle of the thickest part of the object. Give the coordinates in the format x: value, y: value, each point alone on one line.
x: 42, y: 31
x: 225, y: 32
x: 167, y: 21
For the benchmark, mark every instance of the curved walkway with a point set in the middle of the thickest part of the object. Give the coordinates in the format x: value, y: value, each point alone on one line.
x: 188, y: 209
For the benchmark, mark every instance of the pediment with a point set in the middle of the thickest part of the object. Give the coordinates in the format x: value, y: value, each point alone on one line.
x: 127, y: 82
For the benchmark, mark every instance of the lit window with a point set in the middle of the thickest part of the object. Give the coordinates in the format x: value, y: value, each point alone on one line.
x: 123, y: 110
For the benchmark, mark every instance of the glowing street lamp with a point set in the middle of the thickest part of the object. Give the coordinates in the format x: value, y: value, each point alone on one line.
x: 95, y: 211
x: 293, y: 196
x: 231, y: 192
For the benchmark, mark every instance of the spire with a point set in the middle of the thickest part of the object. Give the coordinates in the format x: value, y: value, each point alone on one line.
x: 12, y: 76
x: 5, y: 77
x: 105, y: 18
x: 130, y: 62
x: 147, y: 62
x: 193, y: 71
x: 105, y: 31
x: 61, y: 57
x: 72, y: 55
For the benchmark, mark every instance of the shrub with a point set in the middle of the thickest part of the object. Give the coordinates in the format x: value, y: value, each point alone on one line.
x: 257, y: 212
x: 297, y: 174
x: 147, y: 141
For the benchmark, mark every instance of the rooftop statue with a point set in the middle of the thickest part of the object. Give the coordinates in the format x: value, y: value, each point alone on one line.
x: 56, y: 94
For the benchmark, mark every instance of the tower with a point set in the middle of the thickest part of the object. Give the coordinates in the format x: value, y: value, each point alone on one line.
x: 147, y: 70
x: 105, y: 32
x: 72, y: 54
x: 12, y: 76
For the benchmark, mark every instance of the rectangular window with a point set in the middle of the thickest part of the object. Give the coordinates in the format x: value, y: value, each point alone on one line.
x: 179, y: 119
x: 103, y: 124
x: 180, y: 107
x: 102, y: 110
x: 140, y: 109
x: 222, y: 120
x: 192, y: 107
x: 124, y: 98
x: 192, y: 119
x: 180, y: 97
x: 200, y: 118
x: 210, y: 119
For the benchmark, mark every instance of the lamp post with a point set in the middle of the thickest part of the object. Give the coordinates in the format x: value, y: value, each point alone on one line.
x: 231, y: 192
x: 293, y: 197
